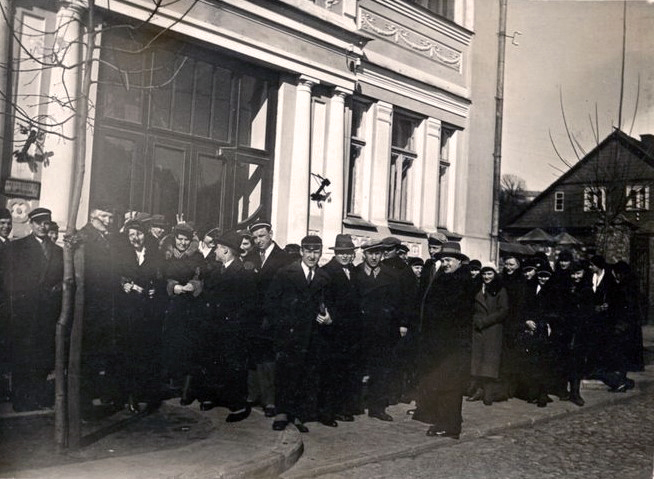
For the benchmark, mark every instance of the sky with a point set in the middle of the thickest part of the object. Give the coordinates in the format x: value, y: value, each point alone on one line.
x: 572, y: 48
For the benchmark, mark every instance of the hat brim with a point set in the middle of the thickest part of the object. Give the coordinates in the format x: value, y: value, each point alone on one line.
x: 342, y: 248
x: 459, y: 256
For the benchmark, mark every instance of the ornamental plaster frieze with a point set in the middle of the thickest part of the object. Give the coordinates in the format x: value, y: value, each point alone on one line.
x: 404, y: 37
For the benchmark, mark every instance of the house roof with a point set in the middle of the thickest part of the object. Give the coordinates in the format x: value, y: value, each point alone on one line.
x: 536, y: 235
x: 637, y: 147
x: 566, y: 238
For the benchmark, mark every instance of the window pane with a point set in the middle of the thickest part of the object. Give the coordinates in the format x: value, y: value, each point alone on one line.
x: 203, y: 89
x: 359, y: 119
x: 210, y: 181
x: 353, y: 179
x: 403, y: 129
x: 248, y: 190
x: 123, y: 75
x: 167, y: 181
x: 183, y: 100
x: 222, y: 91
x: 253, y: 110
x: 165, y: 65
x: 118, y: 172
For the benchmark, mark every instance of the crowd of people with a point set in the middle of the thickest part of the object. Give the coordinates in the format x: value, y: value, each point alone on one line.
x: 230, y: 319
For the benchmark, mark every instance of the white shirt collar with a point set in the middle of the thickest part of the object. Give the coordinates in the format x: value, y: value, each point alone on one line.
x: 226, y: 265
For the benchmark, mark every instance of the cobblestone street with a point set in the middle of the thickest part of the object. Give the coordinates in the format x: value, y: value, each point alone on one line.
x: 608, y: 442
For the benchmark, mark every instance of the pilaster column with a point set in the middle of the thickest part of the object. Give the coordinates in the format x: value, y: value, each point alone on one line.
x: 57, y: 179
x: 335, y: 166
x: 381, y: 163
x: 298, y: 208
x: 431, y: 175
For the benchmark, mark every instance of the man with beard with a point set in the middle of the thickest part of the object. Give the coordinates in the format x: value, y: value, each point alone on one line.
x: 33, y: 272
x: 139, y: 301
x: 341, y: 379
x: 101, y: 370
x: 295, y: 304
x: 383, y: 325
x: 261, y: 379
x: 445, y: 337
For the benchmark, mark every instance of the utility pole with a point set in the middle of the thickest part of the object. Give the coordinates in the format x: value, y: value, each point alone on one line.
x: 497, y: 149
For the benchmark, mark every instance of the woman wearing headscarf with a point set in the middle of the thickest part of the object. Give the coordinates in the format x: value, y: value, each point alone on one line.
x: 491, y: 308
x: 183, y: 275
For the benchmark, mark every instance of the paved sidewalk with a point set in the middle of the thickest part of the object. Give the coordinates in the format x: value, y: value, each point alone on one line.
x: 246, y: 449
x: 250, y: 449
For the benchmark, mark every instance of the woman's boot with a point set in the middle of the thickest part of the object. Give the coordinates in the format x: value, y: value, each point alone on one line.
x: 187, y: 396
x: 575, y: 395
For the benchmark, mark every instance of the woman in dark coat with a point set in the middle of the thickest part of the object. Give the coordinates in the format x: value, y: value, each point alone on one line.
x: 183, y: 275
x: 629, y: 318
x: 491, y: 308
x: 445, y: 337
x: 139, y: 269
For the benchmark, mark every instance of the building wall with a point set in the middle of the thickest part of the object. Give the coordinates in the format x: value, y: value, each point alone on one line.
x: 400, y: 59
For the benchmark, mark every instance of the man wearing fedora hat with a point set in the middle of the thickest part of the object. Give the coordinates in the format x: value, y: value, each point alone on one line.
x: 295, y: 303
x: 445, y: 338
x: 230, y: 292
x: 342, y: 379
x: 268, y: 260
x: 383, y: 325
x: 33, y: 272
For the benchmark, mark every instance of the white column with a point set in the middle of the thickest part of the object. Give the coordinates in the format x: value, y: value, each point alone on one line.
x: 298, y: 209
x: 56, y: 179
x: 381, y: 163
x: 335, y: 166
x: 431, y: 172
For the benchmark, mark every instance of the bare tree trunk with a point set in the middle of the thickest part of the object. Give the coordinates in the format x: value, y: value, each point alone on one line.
x: 75, y: 362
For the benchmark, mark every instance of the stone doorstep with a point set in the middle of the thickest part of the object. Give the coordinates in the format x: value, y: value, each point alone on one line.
x: 594, y: 384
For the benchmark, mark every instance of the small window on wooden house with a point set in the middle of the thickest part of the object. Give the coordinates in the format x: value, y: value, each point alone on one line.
x: 637, y: 197
x: 559, y: 198
x: 594, y: 198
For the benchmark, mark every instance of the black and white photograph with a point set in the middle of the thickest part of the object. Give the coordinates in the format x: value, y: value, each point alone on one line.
x: 326, y: 239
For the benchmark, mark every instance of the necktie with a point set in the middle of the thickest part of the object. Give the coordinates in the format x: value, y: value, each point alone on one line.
x: 46, y: 251
x: 310, y: 276
x: 347, y: 272
x: 263, y: 257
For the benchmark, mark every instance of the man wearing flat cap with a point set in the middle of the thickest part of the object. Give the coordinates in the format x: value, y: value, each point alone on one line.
x: 383, y: 325
x: 435, y: 242
x: 261, y: 380
x: 445, y: 342
x: 101, y: 370
x: 230, y: 292
x: 295, y: 304
x: 342, y: 388
x: 33, y: 274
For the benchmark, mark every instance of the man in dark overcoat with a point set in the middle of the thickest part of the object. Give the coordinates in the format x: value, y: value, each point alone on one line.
x: 140, y: 304
x: 445, y: 337
x: 295, y: 304
x: 435, y: 242
x: 102, y: 374
x: 383, y: 325
x: 6, y: 225
x: 33, y: 274
x: 343, y: 371
x: 231, y: 294
x: 261, y: 380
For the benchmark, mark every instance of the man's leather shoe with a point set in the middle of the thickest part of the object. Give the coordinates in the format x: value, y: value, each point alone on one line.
x: 207, y: 405
x: 301, y: 427
x: 328, y: 422
x: 238, y: 416
x: 477, y: 396
x: 269, y: 411
x: 381, y: 415
x: 433, y: 431
x: 344, y: 417
x: 577, y: 400
x: 279, y: 425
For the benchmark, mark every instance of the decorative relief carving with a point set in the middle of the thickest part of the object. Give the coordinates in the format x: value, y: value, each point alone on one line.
x: 411, y: 40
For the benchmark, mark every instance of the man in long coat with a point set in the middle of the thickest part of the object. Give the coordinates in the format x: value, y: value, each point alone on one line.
x: 383, y: 325
x: 231, y: 294
x: 101, y: 370
x: 33, y: 273
x: 261, y: 380
x: 295, y: 304
x: 445, y: 336
x: 6, y: 225
x: 343, y: 372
